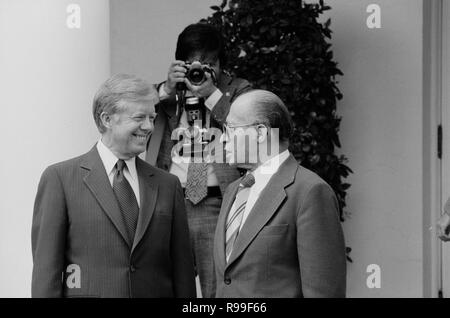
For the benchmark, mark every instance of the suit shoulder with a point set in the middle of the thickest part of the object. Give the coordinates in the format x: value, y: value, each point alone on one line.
x: 241, y: 85
x: 310, y: 179
x: 64, y: 166
x: 313, y: 189
x: 237, y: 81
x: 234, y: 81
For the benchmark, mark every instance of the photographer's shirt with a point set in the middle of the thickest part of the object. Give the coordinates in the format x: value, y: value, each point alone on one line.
x: 180, y: 168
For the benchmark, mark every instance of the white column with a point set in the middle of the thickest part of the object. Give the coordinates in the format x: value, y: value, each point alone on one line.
x: 49, y: 74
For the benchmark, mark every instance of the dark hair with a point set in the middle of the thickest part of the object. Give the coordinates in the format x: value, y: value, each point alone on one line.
x: 200, y: 37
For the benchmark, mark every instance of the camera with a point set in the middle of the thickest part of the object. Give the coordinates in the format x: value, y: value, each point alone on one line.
x: 196, y: 72
x: 195, y: 110
x: 195, y: 133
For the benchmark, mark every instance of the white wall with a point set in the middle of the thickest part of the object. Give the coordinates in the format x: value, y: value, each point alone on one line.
x: 381, y: 133
x: 49, y: 75
x: 144, y: 34
x: 381, y: 130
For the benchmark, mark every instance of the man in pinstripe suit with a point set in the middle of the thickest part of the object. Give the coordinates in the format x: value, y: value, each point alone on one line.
x: 107, y: 224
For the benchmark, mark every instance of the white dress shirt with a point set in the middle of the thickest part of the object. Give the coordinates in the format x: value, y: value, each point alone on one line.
x: 130, y: 173
x: 179, y: 168
x: 262, y: 175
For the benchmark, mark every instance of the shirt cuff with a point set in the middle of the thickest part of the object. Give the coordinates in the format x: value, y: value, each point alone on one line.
x: 212, y: 100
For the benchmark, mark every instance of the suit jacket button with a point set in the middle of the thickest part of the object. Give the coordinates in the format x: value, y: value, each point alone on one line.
x: 132, y: 268
x: 227, y: 281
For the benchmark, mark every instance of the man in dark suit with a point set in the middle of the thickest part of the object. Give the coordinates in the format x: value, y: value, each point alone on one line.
x: 203, y: 183
x: 278, y: 233
x: 107, y: 224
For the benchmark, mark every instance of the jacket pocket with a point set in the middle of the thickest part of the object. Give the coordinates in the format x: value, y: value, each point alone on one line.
x: 275, y: 230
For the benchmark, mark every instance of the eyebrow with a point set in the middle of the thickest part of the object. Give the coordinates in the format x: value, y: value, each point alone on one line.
x: 153, y: 114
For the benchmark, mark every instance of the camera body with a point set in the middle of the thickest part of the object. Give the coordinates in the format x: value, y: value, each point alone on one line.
x: 196, y: 72
x: 195, y: 140
x: 195, y: 110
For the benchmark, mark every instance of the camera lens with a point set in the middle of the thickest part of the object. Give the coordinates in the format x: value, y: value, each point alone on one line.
x: 196, y: 76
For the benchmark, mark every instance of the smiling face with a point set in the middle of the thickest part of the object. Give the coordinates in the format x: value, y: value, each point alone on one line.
x: 129, y: 129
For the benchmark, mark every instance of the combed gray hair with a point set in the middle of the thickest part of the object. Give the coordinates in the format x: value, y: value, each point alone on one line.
x: 271, y: 111
x: 120, y: 87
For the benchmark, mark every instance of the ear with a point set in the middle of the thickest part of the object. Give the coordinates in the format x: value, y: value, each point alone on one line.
x: 106, y: 119
x: 262, y: 133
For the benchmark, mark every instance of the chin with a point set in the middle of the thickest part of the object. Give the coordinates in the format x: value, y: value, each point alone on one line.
x: 230, y: 159
x: 136, y: 151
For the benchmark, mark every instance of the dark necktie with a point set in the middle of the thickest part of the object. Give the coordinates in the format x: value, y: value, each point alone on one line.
x: 196, y: 182
x: 127, y: 200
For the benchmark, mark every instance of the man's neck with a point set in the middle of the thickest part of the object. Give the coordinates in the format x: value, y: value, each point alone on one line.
x: 252, y: 167
x: 267, y: 158
x: 108, y: 144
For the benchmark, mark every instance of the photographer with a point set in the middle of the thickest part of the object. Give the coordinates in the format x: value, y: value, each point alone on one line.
x: 197, y: 73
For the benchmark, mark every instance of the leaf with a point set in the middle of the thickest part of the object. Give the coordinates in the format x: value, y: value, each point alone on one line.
x: 249, y: 19
x: 223, y: 4
x: 283, y: 46
x: 263, y: 28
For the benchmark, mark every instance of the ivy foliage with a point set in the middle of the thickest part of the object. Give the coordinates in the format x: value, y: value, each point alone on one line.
x: 280, y: 46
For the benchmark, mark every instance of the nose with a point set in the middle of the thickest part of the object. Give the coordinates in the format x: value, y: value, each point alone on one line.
x: 147, y: 124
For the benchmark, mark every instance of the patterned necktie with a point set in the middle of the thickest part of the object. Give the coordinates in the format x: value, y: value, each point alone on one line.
x: 234, y: 219
x: 126, y: 199
x: 196, y: 182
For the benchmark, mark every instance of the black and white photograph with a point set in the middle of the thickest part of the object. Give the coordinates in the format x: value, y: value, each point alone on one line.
x: 240, y: 150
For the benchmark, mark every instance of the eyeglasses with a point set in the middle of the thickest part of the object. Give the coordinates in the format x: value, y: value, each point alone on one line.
x: 228, y: 129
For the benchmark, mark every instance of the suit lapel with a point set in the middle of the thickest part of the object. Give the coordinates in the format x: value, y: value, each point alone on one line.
x: 173, y: 123
x: 98, y: 183
x: 154, y: 144
x: 148, y: 192
x: 227, y: 203
x: 169, y: 108
x: 268, y: 202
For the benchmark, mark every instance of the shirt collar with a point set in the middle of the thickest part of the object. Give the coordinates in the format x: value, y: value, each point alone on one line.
x: 109, y: 160
x: 265, y: 171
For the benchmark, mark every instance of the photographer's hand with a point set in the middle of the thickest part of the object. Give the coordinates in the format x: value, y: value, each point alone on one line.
x: 176, y: 74
x: 205, y: 90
